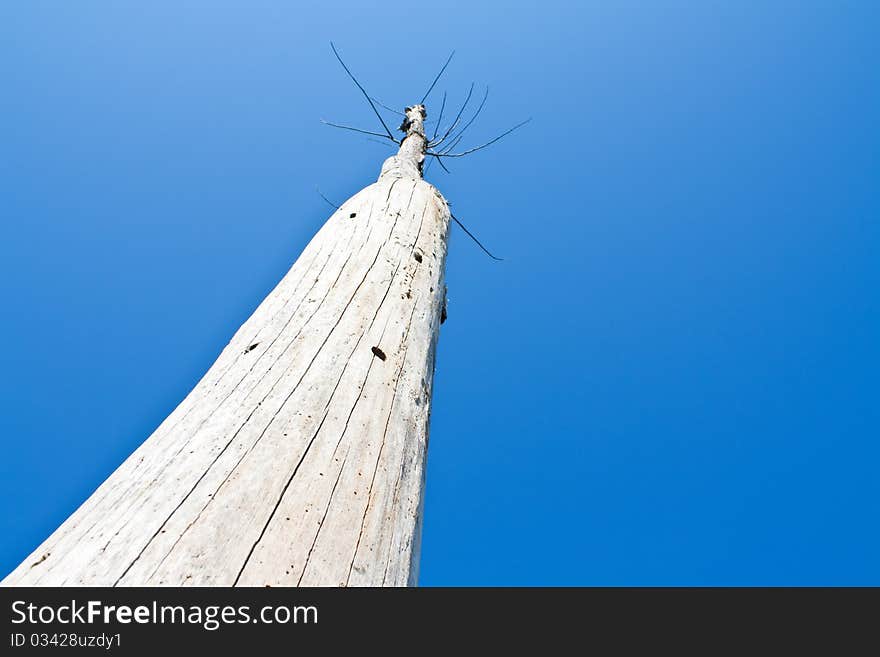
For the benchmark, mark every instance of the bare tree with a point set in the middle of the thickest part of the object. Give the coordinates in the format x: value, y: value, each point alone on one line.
x: 299, y: 458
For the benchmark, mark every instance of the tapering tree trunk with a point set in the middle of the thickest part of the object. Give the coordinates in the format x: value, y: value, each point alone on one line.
x: 299, y: 458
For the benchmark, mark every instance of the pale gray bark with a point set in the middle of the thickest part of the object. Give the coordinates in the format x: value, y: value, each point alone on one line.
x: 299, y: 458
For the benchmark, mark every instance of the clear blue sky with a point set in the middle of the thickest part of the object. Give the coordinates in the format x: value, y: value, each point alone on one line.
x: 672, y: 377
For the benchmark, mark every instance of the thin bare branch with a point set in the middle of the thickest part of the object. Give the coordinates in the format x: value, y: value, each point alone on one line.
x: 439, y: 116
x: 383, y: 143
x: 437, y: 156
x: 473, y: 118
x: 384, y: 106
x: 452, y: 145
x: 327, y: 200
x: 364, y: 92
x: 481, y: 146
x: 366, y: 132
x: 448, y: 59
x: 457, y: 118
x: 471, y: 235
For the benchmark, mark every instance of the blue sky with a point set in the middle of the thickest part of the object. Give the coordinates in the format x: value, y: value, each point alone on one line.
x: 671, y: 378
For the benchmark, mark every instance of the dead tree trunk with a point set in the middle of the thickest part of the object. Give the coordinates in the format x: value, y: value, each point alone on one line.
x: 299, y: 458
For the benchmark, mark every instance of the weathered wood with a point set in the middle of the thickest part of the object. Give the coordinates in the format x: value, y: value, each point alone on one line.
x: 299, y: 458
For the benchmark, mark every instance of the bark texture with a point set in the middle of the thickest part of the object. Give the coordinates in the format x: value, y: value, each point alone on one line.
x: 299, y: 458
